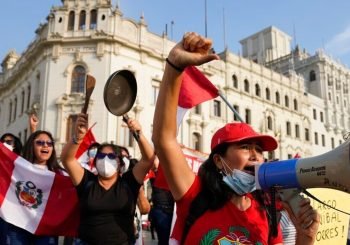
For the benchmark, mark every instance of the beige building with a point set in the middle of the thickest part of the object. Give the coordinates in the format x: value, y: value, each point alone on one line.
x: 301, y: 100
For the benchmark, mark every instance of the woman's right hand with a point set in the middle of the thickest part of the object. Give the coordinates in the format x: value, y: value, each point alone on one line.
x: 193, y: 49
x: 81, y: 126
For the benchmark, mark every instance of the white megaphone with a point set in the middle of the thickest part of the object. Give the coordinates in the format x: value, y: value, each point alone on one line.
x: 329, y: 170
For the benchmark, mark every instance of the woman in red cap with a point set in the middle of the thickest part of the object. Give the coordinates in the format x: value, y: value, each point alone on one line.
x: 220, y: 205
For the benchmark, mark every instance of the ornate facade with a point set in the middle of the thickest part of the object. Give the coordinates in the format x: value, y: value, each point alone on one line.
x: 93, y: 37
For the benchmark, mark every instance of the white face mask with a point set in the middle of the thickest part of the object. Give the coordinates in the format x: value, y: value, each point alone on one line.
x: 10, y: 147
x: 106, y: 167
x: 126, y: 164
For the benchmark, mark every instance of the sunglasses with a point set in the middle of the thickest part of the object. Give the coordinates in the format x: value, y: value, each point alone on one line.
x: 101, y: 155
x: 49, y: 143
x: 9, y: 142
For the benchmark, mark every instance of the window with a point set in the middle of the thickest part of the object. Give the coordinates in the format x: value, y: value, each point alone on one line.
x: 330, y: 96
x: 93, y: 19
x: 332, y: 142
x: 196, y: 141
x: 155, y: 91
x: 72, y: 119
x: 289, y: 156
x: 312, y: 76
x: 321, y: 116
x: 288, y: 129
x: 246, y: 86
x: 71, y: 18
x: 28, y: 96
x: 25, y: 135
x: 286, y: 101
x: 82, y: 20
x: 323, y: 140
x: 248, y: 116
x: 234, y: 81
x: 22, y: 101
x: 78, y: 80
x: 269, y: 123
x: 267, y: 92
x: 277, y: 98
x: 315, y: 114
x: 10, y: 111
x: 295, y: 104
x: 257, y: 90
x: 217, y: 108
x: 307, y: 134
x: 316, y: 138
x: 235, y: 117
x: 15, y: 109
x: 297, y: 131
x: 198, y: 109
x: 271, y: 155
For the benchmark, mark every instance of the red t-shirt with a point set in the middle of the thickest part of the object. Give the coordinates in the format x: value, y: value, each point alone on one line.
x: 224, y: 226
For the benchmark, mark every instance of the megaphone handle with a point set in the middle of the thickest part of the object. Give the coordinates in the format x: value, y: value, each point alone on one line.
x: 134, y: 133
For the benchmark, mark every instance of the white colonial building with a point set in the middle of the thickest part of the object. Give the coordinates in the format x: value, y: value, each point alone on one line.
x: 301, y: 100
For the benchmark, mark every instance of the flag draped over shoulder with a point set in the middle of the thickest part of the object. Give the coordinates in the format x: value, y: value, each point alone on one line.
x: 195, y: 89
x: 39, y: 201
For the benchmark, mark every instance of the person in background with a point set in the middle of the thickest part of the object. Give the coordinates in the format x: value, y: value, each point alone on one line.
x: 108, y: 200
x: 40, y: 151
x: 162, y: 205
x: 220, y: 205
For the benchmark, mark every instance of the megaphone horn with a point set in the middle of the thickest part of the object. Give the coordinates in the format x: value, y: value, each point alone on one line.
x: 329, y: 170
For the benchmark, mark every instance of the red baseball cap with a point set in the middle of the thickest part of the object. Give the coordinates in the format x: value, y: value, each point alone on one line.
x: 237, y: 132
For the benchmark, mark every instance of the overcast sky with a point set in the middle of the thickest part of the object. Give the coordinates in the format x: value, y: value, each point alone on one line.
x: 313, y: 24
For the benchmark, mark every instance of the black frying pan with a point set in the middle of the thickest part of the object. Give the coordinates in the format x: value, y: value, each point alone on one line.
x: 120, y: 93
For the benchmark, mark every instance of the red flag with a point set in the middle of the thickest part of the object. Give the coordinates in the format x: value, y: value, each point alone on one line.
x: 89, y: 138
x: 195, y: 89
x: 39, y: 201
x: 297, y: 155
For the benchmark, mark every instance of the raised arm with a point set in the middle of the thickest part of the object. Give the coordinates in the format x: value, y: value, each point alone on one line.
x: 147, y: 152
x: 192, y: 50
x: 72, y: 166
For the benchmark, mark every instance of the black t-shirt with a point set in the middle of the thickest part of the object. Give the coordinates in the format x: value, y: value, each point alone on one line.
x: 107, y: 216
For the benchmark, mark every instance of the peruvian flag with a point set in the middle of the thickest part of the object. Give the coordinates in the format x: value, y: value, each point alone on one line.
x: 195, y: 89
x: 39, y: 201
x: 81, y: 155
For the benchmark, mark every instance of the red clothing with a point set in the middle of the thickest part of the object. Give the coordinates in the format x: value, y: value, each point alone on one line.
x: 224, y: 226
x: 160, y: 181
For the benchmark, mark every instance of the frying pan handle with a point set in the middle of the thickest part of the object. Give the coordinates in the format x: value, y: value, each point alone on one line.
x: 134, y: 133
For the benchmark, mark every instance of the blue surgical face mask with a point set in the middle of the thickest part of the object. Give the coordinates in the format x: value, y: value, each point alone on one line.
x: 92, y: 152
x: 239, y: 181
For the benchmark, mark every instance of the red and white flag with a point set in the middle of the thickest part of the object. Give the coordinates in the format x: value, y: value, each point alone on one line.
x: 195, y: 89
x: 39, y: 201
x: 82, y: 153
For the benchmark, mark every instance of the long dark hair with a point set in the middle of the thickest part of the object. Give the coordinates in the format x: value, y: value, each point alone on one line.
x: 17, y: 142
x: 28, y: 150
x: 214, y: 193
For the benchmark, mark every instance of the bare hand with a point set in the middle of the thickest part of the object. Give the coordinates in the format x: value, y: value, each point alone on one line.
x: 306, y: 221
x: 192, y: 50
x: 81, y: 126
x: 33, y: 122
x: 133, y: 125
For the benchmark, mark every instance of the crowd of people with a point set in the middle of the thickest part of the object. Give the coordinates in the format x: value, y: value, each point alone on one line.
x: 221, y: 203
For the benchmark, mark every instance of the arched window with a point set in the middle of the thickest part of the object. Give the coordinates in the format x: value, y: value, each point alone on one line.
x: 196, y: 141
x: 269, y: 123
x: 257, y: 90
x: 277, y: 98
x: 93, y: 19
x: 312, y: 76
x: 234, y: 81
x: 246, y: 86
x: 295, y: 104
x: 71, y: 19
x: 78, y: 80
x: 267, y: 92
x: 235, y: 117
x: 286, y: 101
x: 82, y: 20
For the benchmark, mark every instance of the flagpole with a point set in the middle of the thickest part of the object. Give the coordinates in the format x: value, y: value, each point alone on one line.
x: 230, y: 106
